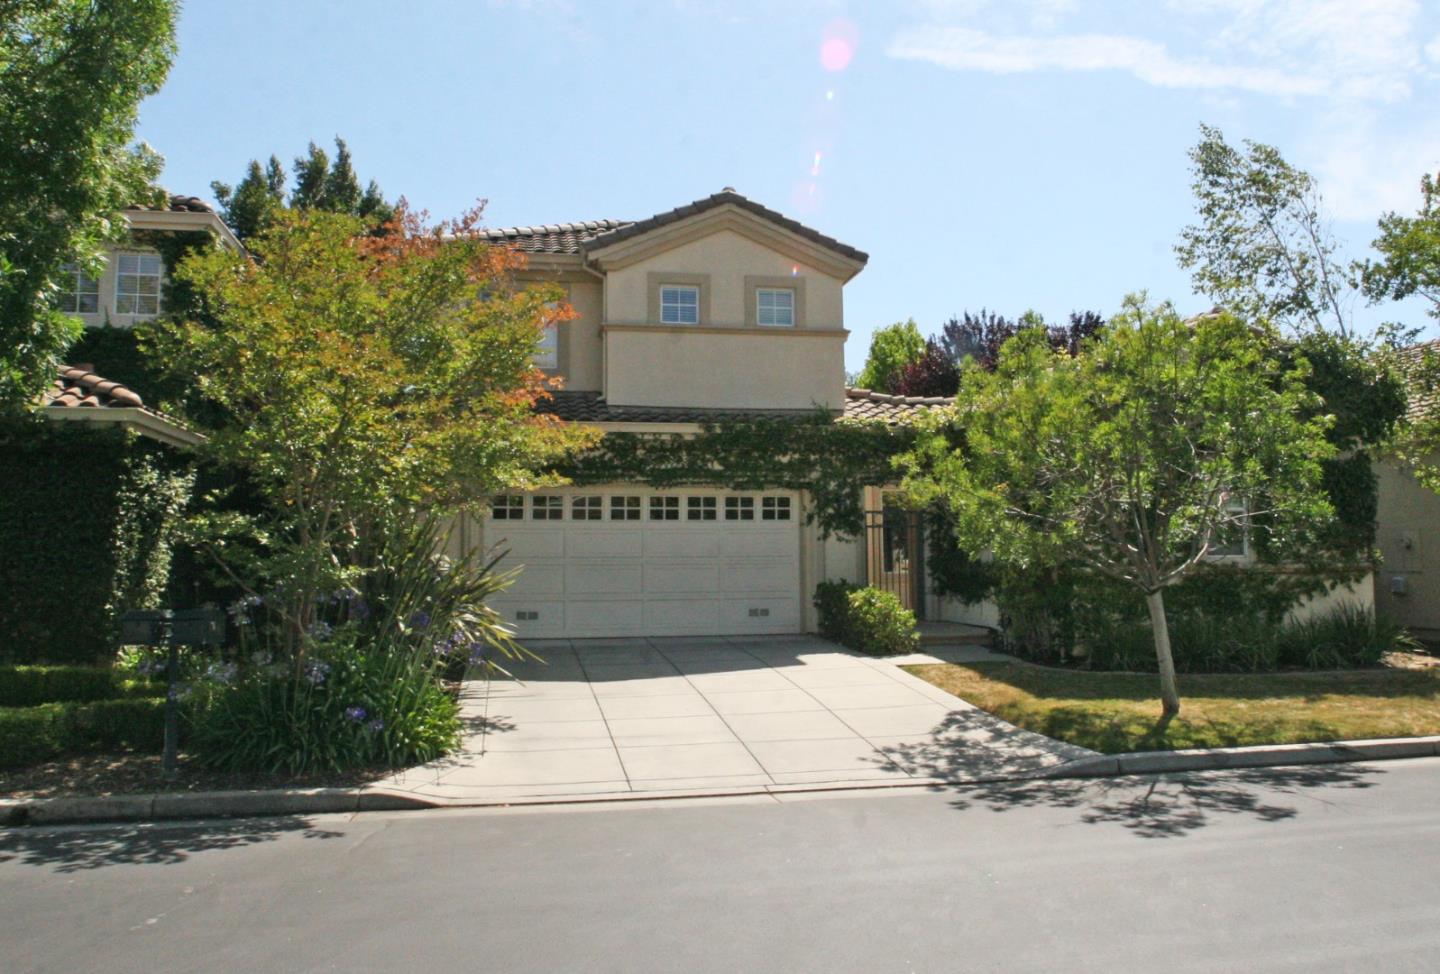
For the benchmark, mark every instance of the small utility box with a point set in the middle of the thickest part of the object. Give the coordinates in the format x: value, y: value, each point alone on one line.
x: 197, y: 627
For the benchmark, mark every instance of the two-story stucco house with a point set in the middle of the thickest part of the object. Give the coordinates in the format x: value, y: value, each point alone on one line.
x: 719, y: 308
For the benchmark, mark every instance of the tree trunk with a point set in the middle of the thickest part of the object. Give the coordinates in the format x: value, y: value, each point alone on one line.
x: 1169, y: 695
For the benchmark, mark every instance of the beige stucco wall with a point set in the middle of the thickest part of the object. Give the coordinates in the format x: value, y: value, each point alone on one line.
x: 729, y: 368
x: 1361, y: 593
x: 1408, y: 518
x: 581, y: 359
x: 728, y: 258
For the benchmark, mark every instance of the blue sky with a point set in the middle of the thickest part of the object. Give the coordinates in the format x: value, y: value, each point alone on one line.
x: 1011, y: 154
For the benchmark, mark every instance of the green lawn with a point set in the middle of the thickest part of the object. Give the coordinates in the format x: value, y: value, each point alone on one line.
x: 1115, y: 712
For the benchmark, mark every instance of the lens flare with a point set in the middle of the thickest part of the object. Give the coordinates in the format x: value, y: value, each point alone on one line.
x: 838, y: 42
x: 815, y: 166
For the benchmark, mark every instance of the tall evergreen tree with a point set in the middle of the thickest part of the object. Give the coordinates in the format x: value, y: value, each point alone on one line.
x: 320, y: 184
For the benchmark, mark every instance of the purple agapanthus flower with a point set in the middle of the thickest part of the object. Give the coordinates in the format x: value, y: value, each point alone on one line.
x: 375, y: 726
x: 477, y: 652
x: 356, y: 714
x: 316, y: 672
x: 319, y: 630
x: 223, y: 673
x: 419, y: 620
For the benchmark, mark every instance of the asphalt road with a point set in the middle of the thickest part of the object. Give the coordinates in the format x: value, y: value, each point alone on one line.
x: 1321, y: 868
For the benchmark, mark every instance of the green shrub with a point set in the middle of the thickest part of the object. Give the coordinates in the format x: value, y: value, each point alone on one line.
x: 348, y: 706
x: 880, y: 625
x: 25, y: 686
x: 865, y: 619
x: 832, y: 604
x: 1348, y: 636
x: 29, y: 735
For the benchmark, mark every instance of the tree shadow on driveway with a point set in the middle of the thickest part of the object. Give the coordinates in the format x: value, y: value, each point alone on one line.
x: 75, y: 849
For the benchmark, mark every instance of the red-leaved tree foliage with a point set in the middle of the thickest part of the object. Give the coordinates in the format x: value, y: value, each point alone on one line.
x: 979, y: 337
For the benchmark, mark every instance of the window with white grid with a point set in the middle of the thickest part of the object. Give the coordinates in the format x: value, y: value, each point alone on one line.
x: 679, y: 304
x: 775, y: 307
x: 137, y: 284
x: 739, y: 508
x: 508, y: 507
x: 624, y: 508
x: 774, y: 508
x: 547, y: 507
x: 587, y: 508
x: 664, y: 508
x: 699, y: 508
x: 79, y: 292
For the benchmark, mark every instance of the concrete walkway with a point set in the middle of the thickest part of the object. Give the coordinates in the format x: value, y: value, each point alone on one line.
x: 718, y: 716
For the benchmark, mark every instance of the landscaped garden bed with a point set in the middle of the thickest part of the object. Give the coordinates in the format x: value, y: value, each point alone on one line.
x: 1119, y: 712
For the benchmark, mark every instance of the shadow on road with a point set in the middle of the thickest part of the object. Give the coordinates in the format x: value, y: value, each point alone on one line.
x: 1168, y: 806
x: 164, y: 844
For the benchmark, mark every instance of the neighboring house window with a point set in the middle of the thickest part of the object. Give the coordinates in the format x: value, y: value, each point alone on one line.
x: 775, y: 307
x: 547, y: 508
x: 664, y: 508
x: 586, y: 509
x: 699, y: 508
x: 137, y: 284
x: 547, y: 352
x: 624, y: 508
x: 79, y: 292
x: 679, y: 304
x: 508, y: 507
x: 1238, y: 546
x: 739, y: 508
x: 774, y: 508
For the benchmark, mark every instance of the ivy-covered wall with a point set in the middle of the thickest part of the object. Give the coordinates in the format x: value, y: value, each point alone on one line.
x: 88, y: 517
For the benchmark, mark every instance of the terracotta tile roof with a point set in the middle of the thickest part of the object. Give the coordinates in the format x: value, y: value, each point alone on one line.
x: 553, y: 238
x: 864, y: 404
x: 182, y: 203
x: 1424, y: 400
x: 590, y: 407
x: 78, y: 387
x: 575, y: 238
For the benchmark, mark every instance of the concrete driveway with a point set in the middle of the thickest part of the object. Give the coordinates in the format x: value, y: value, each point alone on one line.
x: 653, y: 717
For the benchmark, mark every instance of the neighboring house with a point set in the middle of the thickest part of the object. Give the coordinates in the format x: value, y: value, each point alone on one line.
x: 721, y: 308
x: 130, y: 288
x: 1408, y: 528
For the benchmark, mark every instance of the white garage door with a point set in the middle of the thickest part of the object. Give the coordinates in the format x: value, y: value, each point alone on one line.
x: 619, y: 562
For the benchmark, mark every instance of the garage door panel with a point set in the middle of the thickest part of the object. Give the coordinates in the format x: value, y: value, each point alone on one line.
x: 673, y: 578
x: 538, y: 579
x: 780, y: 542
x: 532, y: 617
x: 604, y: 578
x: 530, y: 542
x: 682, y: 617
x: 610, y: 617
x: 760, y: 615
x: 701, y: 541
x: 588, y: 542
x: 765, y: 577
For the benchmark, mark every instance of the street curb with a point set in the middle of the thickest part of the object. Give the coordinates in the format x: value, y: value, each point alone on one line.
x: 1265, y: 756
x: 317, y: 801
x: 206, y: 804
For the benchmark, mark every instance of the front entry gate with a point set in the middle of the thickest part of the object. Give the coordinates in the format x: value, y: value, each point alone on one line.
x: 894, y: 550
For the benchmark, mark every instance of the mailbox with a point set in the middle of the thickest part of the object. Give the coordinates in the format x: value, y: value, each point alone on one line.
x: 197, y: 627
x: 143, y: 627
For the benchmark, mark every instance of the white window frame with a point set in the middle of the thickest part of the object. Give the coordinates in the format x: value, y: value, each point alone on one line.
x: 131, y: 298
x: 507, y: 507
x: 1234, y: 505
x: 587, y: 507
x: 701, y: 509
x: 775, y: 307
x: 547, y: 349
x: 664, y: 507
x: 625, y: 507
x: 547, y: 507
x: 775, y: 507
x: 739, y: 508
x: 674, y: 311
x: 78, y: 286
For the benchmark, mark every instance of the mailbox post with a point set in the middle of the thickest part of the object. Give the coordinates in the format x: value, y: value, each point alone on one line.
x: 172, y: 629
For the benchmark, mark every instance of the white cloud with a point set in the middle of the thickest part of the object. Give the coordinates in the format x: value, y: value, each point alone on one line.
x: 963, y: 48
x: 1346, y: 50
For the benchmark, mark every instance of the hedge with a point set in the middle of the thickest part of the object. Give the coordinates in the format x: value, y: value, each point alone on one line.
x: 865, y: 619
x: 26, y: 686
x: 29, y: 735
x: 86, y: 530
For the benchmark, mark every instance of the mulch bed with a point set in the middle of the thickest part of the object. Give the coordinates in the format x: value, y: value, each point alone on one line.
x: 122, y: 774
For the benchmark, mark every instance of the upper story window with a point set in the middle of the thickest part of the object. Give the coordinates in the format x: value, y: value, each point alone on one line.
x: 137, y: 284
x: 679, y: 304
x: 547, y: 350
x: 1235, y: 542
x: 775, y: 307
x: 79, y: 292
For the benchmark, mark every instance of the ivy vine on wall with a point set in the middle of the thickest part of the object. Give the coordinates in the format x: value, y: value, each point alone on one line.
x: 831, y: 459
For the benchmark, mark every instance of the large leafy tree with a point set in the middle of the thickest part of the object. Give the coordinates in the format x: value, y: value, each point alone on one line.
x: 892, y: 348
x: 1410, y: 252
x: 72, y: 74
x: 978, y: 337
x: 361, y: 377
x: 1161, y: 440
x: 1262, y: 248
x: 320, y: 184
